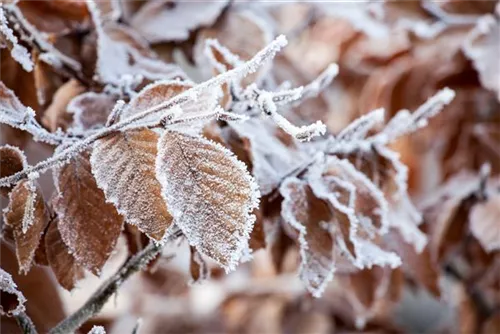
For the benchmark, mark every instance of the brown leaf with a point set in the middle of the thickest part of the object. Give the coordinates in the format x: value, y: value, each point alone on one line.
x: 56, y: 115
x: 124, y: 167
x: 12, y: 301
x: 19, y: 82
x: 62, y: 262
x: 12, y: 160
x: 484, y: 223
x: 59, y: 16
x: 210, y: 194
x: 91, y: 110
x: 308, y: 215
x: 27, y: 215
x: 153, y: 95
x: 89, y: 226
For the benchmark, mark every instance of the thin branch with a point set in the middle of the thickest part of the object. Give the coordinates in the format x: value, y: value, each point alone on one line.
x: 189, y: 95
x: 25, y: 323
x: 96, y: 302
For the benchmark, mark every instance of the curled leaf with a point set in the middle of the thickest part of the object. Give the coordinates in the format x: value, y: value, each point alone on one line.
x: 27, y: 216
x: 210, y: 194
x: 12, y: 302
x: 310, y: 216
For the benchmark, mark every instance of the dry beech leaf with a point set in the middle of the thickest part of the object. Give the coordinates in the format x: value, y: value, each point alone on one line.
x: 182, y: 16
x: 89, y: 226
x: 124, y: 167
x: 123, y: 55
x: 58, y: 17
x: 152, y: 95
x: 210, y: 194
x: 91, y: 110
x: 12, y: 302
x: 56, y: 115
x: 484, y: 223
x: 27, y: 216
x: 163, y: 90
x: 309, y: 215
x: 62, y: 262
x: 12, y: 160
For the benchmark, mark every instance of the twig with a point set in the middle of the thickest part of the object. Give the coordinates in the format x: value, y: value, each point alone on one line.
x: 96, y: 302
x: 189, y: 95
x: 25, y: 323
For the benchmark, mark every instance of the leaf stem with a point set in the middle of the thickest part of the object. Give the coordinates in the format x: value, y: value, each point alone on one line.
x: 96, y: 302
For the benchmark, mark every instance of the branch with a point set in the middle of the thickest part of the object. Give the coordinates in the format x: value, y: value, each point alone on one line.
x: 96, y: 302
x: 132, y: 122
x: 25, y: 323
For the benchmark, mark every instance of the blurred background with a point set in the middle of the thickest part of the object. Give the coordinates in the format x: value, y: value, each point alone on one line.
x: 391, y: 54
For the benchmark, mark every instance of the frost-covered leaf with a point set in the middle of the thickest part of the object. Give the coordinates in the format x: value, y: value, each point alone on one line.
x: 27, y: 215
x: 62, y: 262
x: 210, y: 194
x: 89, y: 226
x: 10, y: 106
x: 56, y: 115
x: 123, y: 164
x: 481, y: 46
x: 484, y: 222
x: 152, y: 95
x: 122, y: 56
x: 357, y: 192
x: 311, y: 217
x: 350, y: 192
x: 182, y: 17
x: 13, y: 300
x: 91, y: 110
x: 12, y: 160
x: 161, y: 91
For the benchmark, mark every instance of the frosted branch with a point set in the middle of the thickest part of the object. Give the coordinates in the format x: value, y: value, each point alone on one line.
x: 96, y: 302
x: 315, y: 87
x: 404, y: 123
x: 18, y: 52
x: 165, y: 107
